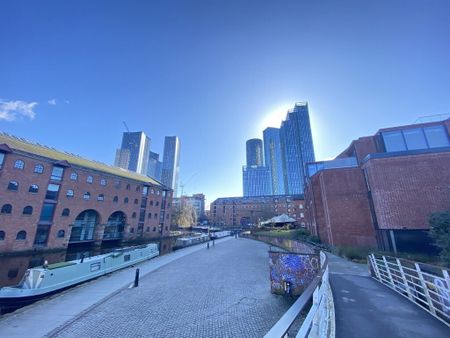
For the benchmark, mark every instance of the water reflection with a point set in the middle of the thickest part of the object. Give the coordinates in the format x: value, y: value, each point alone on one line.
x: 13, y: 268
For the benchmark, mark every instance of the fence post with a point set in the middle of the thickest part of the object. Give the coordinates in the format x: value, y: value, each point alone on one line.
x: 375, y: 266
x: 405, y: 281
x: 425, y: 289
x: 388, y: 270
x: 136, y: 278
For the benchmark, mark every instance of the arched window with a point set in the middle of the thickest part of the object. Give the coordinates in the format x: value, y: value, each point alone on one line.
x: 87, y: 196
x: 133, y: 215
x: 150, y: 215
x: 125, y: 200
x: 6, y: 209
x: 21, y: 235
x: 13, y: 185
x: 28, y: 210
x: 115, y: 199
x: 39, y: 168
x: 73, y: 176
x: 156, y: 203
x: 102, y: 181
x: 61, y: 234
x: 34, y: 188
x: 128, y: 187
x: 89, y: 179
x: 65, y: 212
x: 2, y: 235
x: 155, y: 216
x: 19, y: 164
x: 101, y: 197
x: 138, y: 188
x: 69, y: 193
x: 151, y: 203
x: 136, y: 201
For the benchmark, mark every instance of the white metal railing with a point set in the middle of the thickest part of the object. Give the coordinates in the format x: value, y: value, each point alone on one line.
x: 319, y: 321
x: 425, y: 285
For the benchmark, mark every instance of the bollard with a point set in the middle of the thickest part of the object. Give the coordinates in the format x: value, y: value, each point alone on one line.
x: 214, y: 242
x: 207, y: 245
x: 136, y: 278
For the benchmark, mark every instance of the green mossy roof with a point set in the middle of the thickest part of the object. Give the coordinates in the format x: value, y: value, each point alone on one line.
x: 51, y: 153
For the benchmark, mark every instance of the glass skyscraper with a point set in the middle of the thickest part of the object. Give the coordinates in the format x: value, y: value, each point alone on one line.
x: 254, y: 152
x: 154, y: 166
x: 256, y: 181
x: 134, y: 151
x: 274, y: 159
x: 171, y: 163
x: 297, y: 148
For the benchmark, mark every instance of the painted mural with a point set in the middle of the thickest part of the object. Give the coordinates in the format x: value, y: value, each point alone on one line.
x: 291, y: 273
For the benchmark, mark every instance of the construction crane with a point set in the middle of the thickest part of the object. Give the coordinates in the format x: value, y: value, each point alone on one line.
x: 126, y: 127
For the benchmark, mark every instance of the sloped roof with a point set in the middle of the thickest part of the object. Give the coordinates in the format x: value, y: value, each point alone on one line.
x: 57, y: 155
x: 280, y: 219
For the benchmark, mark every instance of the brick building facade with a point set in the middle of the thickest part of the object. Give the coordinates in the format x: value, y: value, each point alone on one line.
x: 246, y: 211
x: 381, y: 189
x: 50, y: 199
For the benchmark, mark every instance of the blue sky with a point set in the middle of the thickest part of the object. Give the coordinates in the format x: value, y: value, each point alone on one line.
x: 211, y: 72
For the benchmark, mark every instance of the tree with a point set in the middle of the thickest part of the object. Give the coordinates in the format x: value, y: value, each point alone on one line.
x: 185, y: 214
x: 440, y: 232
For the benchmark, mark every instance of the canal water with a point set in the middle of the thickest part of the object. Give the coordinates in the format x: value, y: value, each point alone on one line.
x: 12, y: 268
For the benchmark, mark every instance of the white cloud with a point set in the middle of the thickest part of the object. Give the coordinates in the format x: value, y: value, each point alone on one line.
x: 52, y: 102
x: 13, y: 110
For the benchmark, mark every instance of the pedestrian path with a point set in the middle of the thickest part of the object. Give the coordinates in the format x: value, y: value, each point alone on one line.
x: 366, y: 308
x: 44, y: 316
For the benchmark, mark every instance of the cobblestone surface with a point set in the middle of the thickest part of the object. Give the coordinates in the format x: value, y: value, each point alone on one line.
x: 223, y: 291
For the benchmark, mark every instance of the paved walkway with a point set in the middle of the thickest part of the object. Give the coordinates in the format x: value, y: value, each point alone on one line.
x: 223, y: 291
x: 366, y: 308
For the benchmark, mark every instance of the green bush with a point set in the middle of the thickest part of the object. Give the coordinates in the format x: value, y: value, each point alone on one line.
x: 353, y: 253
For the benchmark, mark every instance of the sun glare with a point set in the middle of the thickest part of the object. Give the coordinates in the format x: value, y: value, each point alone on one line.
x: 274, y: 117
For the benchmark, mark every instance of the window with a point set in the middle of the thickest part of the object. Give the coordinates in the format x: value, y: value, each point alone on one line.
x: 154, y: 229
x: 6, y: 209
x: 57, y: 173
x: 21, y: 235
x: 144, y: 191
x: 39, y: 168
x: 101, y: 197
x: 87, y: 196
x: 436, y: 137
x: 149, y: 215
x: 115, y: 199
x: 2, y: 235
x: 117, y: 184
x: 155, y: 216
x: 69, y: 193
x: 394, y: 141
x: 131, y: 230
x: 151, y: 203
x: 74, y: 176
x: 302, y: 214
x: 13, y: 185
x: 125, y: 200
x: 28, y: 210
x: 19, y: 164
x: 133, y: 215
x: 156, y: 203
x: 138, y: 188
x: 52, y: 192
x: 157, y: 192
x: 2, y: 159
x: 136, y: 201
x: 415, y: 139
x: 34, y: 188
x: 128, y: 187
x: 301, y: 206
x: 61, y: 234
x: 102, y: 181
x: 65, y: 212
x: 89, y: 179
x: 148, y: 229
x: 47, y: 212
x: 152, y: 191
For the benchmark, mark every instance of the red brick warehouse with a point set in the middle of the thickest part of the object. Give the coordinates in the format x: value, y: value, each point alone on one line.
x: 51, y: 199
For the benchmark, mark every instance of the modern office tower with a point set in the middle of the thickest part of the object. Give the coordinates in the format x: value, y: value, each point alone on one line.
x: 256, y: 181
x: 154, y: 166
x: 171, y: 163
x: 274, y: 159
x: 137, y: 144
x: 297, y: 147
x: 255, y: 152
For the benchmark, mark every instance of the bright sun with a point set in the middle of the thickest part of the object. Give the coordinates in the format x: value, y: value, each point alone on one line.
x: 275, y: 116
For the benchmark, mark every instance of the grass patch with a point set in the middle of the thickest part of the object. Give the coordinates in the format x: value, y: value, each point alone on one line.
x: 296, y: 234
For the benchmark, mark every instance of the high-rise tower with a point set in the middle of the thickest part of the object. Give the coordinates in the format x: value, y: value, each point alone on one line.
x: 134, y: 151
x: 274, y: 159
x: 154, y: 166
x: 171, y: 163
x: 255, y: 152
x: 297, y: 147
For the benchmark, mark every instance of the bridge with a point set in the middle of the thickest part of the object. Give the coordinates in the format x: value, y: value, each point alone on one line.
x: 222, y: 291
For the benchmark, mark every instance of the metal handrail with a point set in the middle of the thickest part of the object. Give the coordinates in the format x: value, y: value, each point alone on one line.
x: 281, y: 328
x: 429, y: 291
